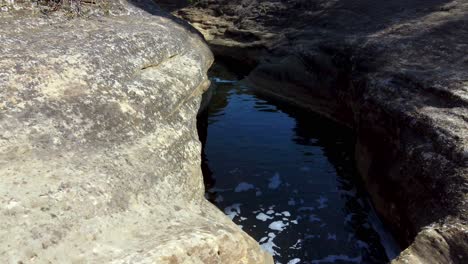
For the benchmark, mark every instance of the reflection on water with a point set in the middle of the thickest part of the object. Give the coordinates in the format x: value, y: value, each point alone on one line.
x: 287, y: 178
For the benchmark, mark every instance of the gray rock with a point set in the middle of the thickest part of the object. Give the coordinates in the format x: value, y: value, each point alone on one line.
x: 99, y: 153
x: 394, y: 71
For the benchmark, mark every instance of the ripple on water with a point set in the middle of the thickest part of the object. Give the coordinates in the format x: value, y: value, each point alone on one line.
x: 289, y: 181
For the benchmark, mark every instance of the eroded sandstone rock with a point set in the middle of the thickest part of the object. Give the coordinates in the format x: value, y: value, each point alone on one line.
x: 395, y: 71
x: 99, y: 153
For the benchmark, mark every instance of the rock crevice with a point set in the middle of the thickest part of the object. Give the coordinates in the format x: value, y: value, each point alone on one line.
x: 396, y: 72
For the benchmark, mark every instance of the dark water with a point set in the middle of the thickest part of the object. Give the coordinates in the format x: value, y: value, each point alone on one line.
x: 288, y: 179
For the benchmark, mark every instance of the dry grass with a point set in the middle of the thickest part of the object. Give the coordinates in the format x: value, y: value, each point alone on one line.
x: 74, y: 7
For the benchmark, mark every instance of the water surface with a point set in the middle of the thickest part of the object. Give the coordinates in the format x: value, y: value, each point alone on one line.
x: 288, y: 179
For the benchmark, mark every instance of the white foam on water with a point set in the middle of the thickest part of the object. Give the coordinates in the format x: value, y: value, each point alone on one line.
x: 334, y: 258
x: 314, y: 218
x: 235, y: 170
x: 294, y: 261
x: 296, y: 245
x: 275, y: 181
x: 233, y: 210
x: 286, y: 213
x: 219, y: 80
x: 270, y: 212
x: 311, y: 236
x: 263, y: 217
x: 278, y: 226
x: 348, y: 218
x: 244, y: 186
x: 322, y: 202
x: 219, y: 199
x: 269, y: 246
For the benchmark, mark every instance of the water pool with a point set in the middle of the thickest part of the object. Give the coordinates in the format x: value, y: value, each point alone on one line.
x: 287, y: 178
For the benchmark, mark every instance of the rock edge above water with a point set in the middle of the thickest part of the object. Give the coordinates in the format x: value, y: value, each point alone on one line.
x: 99, y: 152
x: 394, y: 71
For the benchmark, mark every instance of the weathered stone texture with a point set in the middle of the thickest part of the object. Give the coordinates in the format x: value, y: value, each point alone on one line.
x: 99, y: 153
x: 394, y: 71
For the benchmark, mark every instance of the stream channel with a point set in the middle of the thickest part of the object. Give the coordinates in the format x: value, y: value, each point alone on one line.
x: 287, y: 178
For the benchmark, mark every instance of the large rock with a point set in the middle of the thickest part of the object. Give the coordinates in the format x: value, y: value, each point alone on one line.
x: 395, y: 71
x: 99, y: 153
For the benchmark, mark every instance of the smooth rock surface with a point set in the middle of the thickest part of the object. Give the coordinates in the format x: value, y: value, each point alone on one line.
x: 395, y: 71
x: 99, y: 152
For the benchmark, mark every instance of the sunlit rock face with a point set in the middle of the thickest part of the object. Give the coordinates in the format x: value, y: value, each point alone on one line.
x: 395, y: 71
x: 99, y: 153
